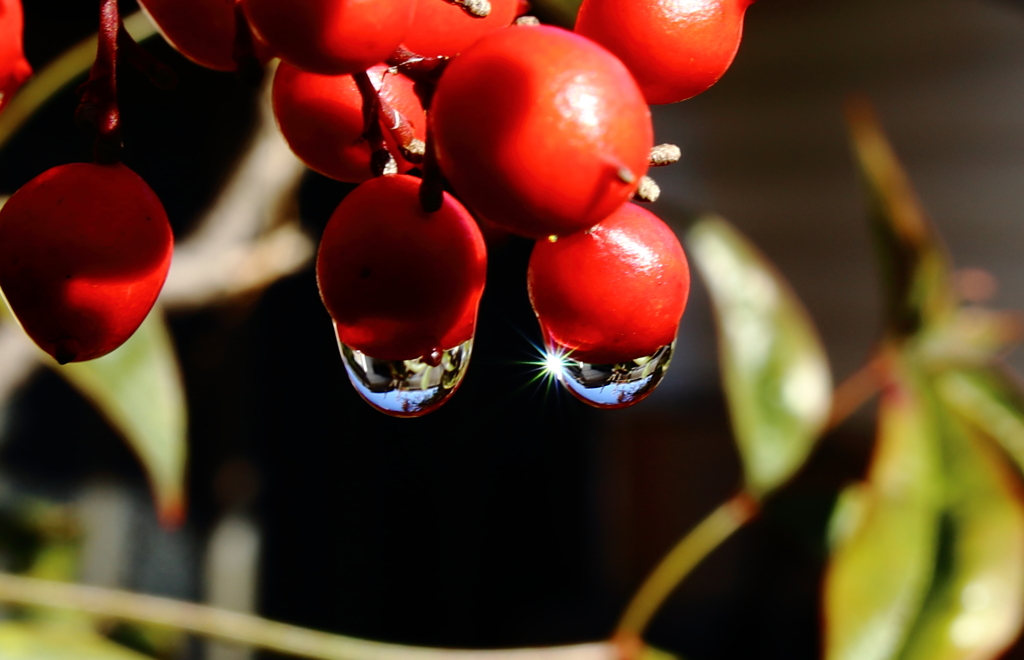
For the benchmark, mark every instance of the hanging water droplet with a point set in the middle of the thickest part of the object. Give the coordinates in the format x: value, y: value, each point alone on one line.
x: 614, y: 385
x: 407, y: 388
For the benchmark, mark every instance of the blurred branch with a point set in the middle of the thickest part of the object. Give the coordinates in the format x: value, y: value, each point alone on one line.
x: 677, y: 564
x: 254, y: 631
x: 231, y: 252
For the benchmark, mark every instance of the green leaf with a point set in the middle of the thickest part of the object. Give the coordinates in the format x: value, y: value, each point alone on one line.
x: 774, y: 369
x: 883, y: 560
x: 929, y: 561
x: 138, y: 389
x: 22, y: 641
x: 974, y: 610
x: 916, y: 274
x: 991, y: 401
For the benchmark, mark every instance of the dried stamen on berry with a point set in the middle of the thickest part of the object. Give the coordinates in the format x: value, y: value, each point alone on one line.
x: 475, y: 8
x: 648, y: 191
x: 527, y: 20
x: 665, y: 154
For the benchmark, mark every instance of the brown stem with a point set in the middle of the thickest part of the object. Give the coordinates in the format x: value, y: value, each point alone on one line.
x: 97, y: 107
x: 424, y: 71
x: 854, y: 392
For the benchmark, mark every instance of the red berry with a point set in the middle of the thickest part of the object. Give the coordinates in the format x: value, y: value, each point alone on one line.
x: 331, y: 36
x: 614, y: 293
x: 321, y: 117
x: 84, y: 252
x: 540, y: 130
x: 443, y: 29
x: 202, y: 30
x: 675, y: 48
x: 401, y: 283
x: 14, y: 69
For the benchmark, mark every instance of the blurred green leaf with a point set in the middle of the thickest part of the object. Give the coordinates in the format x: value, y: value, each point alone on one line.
x: 989, y: 400
x: 974, y: 609
x: 138, y: 389
x: 22, y: 641
x: 774, y: 369
x: 916, y: 273
x: 929, y: 558
x: 883, y: 560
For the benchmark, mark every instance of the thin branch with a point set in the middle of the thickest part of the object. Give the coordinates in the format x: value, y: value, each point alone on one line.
x: 854, y: 392
x: 253, y: 631
x: 680, y: 561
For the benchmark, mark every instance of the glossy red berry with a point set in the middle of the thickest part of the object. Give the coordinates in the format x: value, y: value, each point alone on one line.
x: 84, y: 252
x: 14, y: 68
x: 401, y: 283
x: 331, y: 36
x: 202, y: 30
x: 676, y: 49
x: 540, y: 130
x: 612, y: 294
x: 443, y: 29
x: 321, y: 117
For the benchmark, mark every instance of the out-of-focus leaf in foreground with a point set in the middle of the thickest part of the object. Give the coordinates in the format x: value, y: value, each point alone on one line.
x: 933, y: 569
x: 774, y: 368
x: 990, y: 401
x: 915, y: 268
x: 879, y: 574
x: 24, y: 641
x: 974, y: 608
x: 138, y: 388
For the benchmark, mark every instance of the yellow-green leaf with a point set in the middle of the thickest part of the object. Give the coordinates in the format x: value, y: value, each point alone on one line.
x: 774, y: 369
x: 138, y: 389
x: 974, y: 609
x: 916, y: 274
x: 882, y: 563
x: 23, y: 641
x: 991, y: 402
x: 562, y: 12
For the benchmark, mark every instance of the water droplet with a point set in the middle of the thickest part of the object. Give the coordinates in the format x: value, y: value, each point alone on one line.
x: 407, y: 388
x: 614, y: 385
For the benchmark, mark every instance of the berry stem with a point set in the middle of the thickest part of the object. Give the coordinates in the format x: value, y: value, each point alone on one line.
x: 401, y: 130
x: 159, y: 74
x: 97, y: 107
x: 381, y: 160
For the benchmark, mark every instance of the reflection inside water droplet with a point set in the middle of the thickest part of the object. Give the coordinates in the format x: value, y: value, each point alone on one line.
x: 610, y: 385
x: 407, y: 388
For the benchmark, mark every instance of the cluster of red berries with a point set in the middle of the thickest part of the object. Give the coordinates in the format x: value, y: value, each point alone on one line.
x: 543, y: 132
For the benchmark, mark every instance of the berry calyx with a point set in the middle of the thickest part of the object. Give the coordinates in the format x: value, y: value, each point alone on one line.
x: 84, y: 252
x: 614, y: 293
x: 331, y: 36
x: 540, y: 130
x: 401, y: 283
x: 322, y: 119
x: 444, y: 29
x: 676, y: 49
x: 14, y: 68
